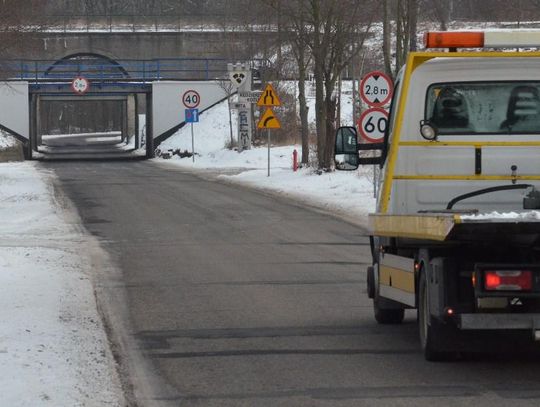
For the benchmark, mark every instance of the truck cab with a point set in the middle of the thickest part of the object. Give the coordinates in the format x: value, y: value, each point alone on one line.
x: 456, y: 234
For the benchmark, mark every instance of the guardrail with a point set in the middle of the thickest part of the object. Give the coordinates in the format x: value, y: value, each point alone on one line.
x: 126, y: 70
x: 137, y: 70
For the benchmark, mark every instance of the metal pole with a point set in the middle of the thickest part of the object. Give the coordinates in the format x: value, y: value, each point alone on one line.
x: 374, y: 179
x: 192, y: 144
x: 268, y: 135
x: 353, y: 92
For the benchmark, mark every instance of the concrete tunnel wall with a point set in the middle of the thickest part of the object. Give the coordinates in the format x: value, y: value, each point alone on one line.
x: 15, y: 109
x: 168, y: 109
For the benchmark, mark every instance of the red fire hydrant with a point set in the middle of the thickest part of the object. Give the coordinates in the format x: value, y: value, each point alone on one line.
x: 295, y: 160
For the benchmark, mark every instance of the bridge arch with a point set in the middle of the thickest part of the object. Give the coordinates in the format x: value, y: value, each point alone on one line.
x: 74, y: 62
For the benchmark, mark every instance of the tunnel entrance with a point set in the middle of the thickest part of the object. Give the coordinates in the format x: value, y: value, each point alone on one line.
x: 110, y: 117
x: 106, y: 122
x: 123, y: 108
x: 90, y: 122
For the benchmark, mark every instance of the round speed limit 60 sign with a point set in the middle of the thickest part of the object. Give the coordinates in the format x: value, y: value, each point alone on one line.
x: 372, y: 124
x: 376, y: 89
x: 191, y: 99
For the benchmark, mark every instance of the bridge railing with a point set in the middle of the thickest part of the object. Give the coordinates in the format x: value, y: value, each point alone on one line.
x: 139, y: 23
x: 129, y: 70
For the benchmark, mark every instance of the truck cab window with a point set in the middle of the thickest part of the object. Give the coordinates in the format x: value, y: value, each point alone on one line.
x: 484, y: 108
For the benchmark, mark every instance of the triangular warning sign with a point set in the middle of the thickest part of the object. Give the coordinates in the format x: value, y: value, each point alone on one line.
x: 268, y: 120
x: 269, y: 97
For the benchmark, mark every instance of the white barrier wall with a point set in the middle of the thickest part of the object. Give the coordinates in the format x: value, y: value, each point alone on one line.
x: 168, y: 108
x: 15, y: 108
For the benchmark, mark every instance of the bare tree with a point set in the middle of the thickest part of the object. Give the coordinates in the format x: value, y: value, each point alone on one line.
x: 387, y: 33
x: 304, y: 60
x: 405, y: 13
x: 332, y: 32
x: 337, y: 37
x: 293, y: 21
x: 442, y: 10
x: 229, y: 90
x: 412, y: 23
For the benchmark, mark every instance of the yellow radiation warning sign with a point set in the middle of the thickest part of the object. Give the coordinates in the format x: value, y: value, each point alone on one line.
x: 269, y: 97
x: 269, y: 120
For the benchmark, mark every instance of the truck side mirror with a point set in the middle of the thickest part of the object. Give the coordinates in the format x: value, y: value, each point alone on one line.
x: 346, y: 150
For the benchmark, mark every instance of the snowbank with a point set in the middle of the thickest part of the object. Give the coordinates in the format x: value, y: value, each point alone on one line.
x: 53, y: 349
x: 503, y: 216
x: 6, y: 141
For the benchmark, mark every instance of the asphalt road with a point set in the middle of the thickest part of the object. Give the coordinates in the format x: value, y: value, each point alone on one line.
x: 237, y: 298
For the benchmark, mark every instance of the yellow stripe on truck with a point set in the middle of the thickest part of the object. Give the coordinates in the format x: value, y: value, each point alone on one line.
x: 396, y: 278
x: 476, y: 144
x: 428, y: 227
x: 446, y: 177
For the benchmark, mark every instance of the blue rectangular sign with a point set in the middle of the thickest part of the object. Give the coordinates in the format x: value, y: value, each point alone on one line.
x: 192, y: 115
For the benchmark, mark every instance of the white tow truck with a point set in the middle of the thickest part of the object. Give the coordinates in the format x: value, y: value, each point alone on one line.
x: 456, y: 234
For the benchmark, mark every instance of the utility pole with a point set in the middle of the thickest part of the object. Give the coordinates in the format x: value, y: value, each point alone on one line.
x: 351, y: 48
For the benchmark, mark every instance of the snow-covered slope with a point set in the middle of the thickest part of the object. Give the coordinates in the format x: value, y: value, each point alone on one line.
x: 346, y: 193
x: 53, y: 347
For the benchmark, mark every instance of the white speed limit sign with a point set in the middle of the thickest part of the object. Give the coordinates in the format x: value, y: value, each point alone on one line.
x: 372, y: 124
x: 191, y: 99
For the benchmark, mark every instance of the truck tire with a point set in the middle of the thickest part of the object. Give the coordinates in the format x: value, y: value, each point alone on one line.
x: 430, y: 332
x: 370, y: 281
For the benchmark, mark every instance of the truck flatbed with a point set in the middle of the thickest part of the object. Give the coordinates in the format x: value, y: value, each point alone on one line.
x: 446, y: 227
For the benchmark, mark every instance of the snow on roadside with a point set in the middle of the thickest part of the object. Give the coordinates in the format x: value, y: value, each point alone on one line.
x: 348, y: 193
x: 53, y: 349
x: 503, y: 216
x: 6, y: 141
x: 211, y: 133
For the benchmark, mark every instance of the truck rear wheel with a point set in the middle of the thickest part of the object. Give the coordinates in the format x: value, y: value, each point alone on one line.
x: 430, y: 332
x: 370, y: 282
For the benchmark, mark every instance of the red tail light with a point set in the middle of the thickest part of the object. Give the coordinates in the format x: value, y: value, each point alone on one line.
x: 508, y: 280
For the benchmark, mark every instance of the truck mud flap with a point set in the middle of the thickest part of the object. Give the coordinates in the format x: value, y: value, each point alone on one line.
x: 396, y: 279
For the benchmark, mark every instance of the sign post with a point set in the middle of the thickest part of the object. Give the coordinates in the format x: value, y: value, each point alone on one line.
x: 240, y: 77
x: 268, y: 120
x: 192, y: 116
x: 191, y: 100
x: 376, y: 89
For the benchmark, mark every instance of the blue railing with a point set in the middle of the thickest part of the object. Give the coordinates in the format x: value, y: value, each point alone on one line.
x: 129, y: 70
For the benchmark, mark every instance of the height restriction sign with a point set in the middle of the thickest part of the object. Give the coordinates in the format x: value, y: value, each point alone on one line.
x: 80, y: 85
x: 376, y: 89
